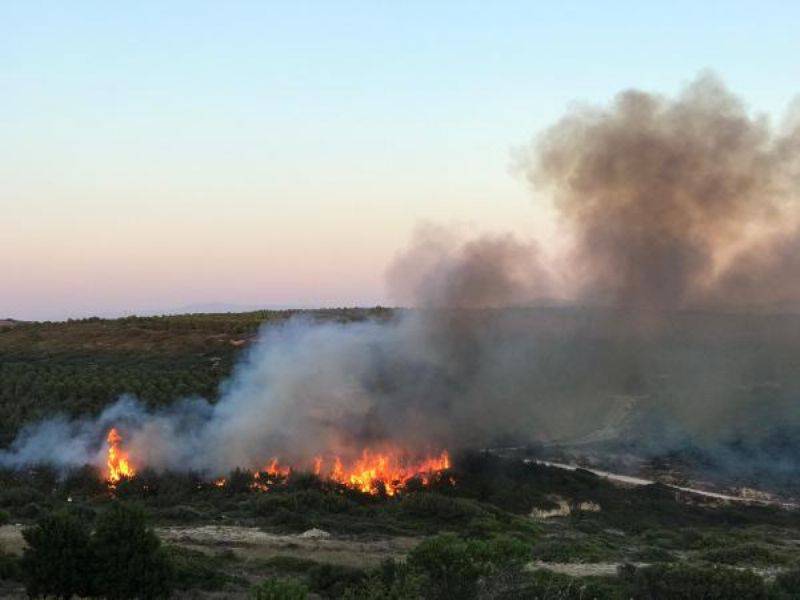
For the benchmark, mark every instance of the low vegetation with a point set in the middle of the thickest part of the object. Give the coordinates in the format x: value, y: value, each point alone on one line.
x: 470, y: 533
x: 78, y: 367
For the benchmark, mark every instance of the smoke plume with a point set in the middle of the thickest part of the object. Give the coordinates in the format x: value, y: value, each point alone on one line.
x: 661, y: 193
x: 671, y: 203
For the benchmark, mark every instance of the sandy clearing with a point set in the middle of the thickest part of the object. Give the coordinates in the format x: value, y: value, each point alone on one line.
x: 251, y: 542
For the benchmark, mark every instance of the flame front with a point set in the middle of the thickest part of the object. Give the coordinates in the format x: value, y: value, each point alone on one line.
x: 391, y: 469
x: 373, y: 472
x: 118, y: 463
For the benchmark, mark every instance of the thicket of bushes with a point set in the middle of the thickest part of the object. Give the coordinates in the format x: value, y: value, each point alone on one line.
x: 121, y: 558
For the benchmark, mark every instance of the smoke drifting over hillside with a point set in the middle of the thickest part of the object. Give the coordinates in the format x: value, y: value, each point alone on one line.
x: 671, y: 204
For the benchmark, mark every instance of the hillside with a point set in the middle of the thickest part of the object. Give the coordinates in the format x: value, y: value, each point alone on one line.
x: 79, y: 366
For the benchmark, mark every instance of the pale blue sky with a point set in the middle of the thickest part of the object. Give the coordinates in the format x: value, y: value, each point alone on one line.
x: 161, y: 154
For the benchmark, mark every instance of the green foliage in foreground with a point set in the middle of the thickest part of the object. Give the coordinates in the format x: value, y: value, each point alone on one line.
x: 122, y: 559
x: 279, y: 589
x: 679, y: 582
x: 58, y: 560
x: 130, y: 560
x: 10, y: 567
x: 443, y: 567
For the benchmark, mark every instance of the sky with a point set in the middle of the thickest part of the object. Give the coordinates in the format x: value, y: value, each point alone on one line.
x: 169, y: 156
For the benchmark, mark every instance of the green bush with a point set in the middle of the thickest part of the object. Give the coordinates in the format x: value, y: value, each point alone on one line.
x: 129, y: 556
x: 573, y: 550
x: 4, y: 518
x: 441, y: 508
x: 787, y: 585
x: 181, y: 514
x: 332, y: 580
x: 453, y: 566
x: 279, y: 589
x: 10, y: 568
x: 446, y: 563
x: 745, y: 554
x: 681, y: 582
x: 195, y: 570
x: 392, y: 580
x: 58, y: 560
x: 547, y: 585
x: 289, y: 564
x: 18, y: 497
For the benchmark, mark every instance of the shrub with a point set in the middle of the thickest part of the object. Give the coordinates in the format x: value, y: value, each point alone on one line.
x: 10, y: 569
x: 546, y: 585
x: 572, y: 550
x: 391, y: 581
x: 441, y: 508
x: 279, y: 589
x: 18, y: 497
x: 181, y: 514
x: 289, y: 564
x: 4, y: 518
x: 678, y: 582
x: 446, y: 562
x: 332, y: 580
x: 287, y: 519
x: 58, y: 559
x: 745, y: 554
x: 195, y: 570
x: 453, y: 566
x: 130, y: 559
x: 787, y: 584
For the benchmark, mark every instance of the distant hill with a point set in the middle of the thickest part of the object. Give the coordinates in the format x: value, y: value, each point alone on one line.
x: 79, y: 366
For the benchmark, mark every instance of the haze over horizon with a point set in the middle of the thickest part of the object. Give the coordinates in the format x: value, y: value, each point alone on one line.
x: 283, y: 155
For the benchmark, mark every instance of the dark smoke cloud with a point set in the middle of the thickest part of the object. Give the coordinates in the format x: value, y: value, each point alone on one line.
x: 672, y: 203
x: 441, y: 269
x: 658, y: 193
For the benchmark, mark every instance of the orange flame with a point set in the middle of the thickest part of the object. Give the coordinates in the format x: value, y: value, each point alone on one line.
x: 118, y: 463
x: 263, y: 479
x: 393, y: 470
x: 372, y: 471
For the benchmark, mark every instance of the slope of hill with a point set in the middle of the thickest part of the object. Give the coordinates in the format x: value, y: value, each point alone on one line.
x: 78, y: 367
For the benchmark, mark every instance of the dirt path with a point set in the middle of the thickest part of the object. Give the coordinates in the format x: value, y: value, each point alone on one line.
x: 638, y: 481
x: 11, y: 539
x: 251, y: 542
x: 577, y: 569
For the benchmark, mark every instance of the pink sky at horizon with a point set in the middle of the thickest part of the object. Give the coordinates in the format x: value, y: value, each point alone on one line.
x: 168, y: 155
